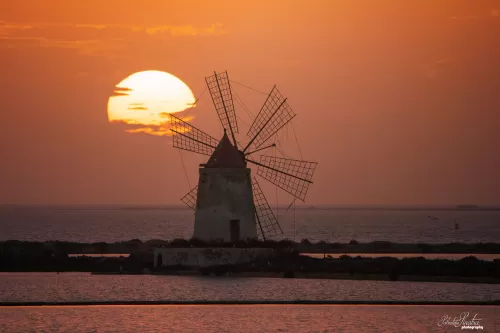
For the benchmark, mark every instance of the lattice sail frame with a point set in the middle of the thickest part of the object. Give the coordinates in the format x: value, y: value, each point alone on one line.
x: 274, y: 114
x: 222, y: 97
x: 267, y: 222
x: 190, y: 198
x: 292, y: 176
x: 187, y: 137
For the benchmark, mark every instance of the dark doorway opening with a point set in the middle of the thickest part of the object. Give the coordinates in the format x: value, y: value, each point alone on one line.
x: 159, y: 260
x: 234, y: 229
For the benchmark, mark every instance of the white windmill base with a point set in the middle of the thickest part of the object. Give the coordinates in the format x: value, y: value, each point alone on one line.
x: 224, y: 208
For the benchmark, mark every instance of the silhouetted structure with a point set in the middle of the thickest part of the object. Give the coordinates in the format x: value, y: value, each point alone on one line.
x: 228, y: 202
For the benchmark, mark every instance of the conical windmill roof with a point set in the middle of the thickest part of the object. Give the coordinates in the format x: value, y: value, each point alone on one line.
x: 226, y: 155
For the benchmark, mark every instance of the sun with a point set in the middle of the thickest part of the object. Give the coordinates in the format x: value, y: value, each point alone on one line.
x: 143, y: 101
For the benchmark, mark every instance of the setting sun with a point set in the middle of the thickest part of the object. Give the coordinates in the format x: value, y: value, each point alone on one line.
x: 144, y: 99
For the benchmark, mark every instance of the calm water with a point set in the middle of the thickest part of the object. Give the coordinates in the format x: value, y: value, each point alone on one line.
x: 85, y: 287
x: 94, y: 224
x: 233, y: 318
x: 242, y: 318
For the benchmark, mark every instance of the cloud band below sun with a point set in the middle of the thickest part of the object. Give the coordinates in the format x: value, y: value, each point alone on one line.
x: 162, y: 129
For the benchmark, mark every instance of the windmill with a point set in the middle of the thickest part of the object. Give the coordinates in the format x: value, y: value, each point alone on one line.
x: 229, y: 203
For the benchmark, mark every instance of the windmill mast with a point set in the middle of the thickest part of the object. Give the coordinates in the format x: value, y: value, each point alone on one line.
x: 225, y: 110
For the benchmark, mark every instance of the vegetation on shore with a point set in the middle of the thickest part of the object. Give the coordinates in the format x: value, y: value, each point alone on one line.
x: 304, y: 246
x: 287, y: 261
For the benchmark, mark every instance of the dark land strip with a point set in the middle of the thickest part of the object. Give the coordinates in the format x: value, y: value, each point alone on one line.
x: 286, y: 262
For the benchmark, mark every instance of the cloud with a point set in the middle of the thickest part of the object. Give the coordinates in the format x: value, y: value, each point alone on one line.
x: 216, y: 29
x: 183, y: 115
x: 92, y: 26
x: 160, y: 129
x: 137, y: 106
x: 5, y: 28
x: 151, y: 131
x: 93, y: 39
x: 121, y: 92
x: 127, y: 122
x: 135, y: 128
x: 118, y: 94
x: 109, y: 48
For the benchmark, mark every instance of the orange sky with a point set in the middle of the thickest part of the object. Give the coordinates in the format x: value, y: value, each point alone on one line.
x: 397, y: 100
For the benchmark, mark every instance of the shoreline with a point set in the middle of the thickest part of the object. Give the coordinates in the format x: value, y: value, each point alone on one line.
x: 304, y: 246
x: 338, y: 276
x: 296, y: 275
x: 287, y: 260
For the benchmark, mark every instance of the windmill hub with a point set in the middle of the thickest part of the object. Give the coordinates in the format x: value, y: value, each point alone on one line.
x: 228, y: 201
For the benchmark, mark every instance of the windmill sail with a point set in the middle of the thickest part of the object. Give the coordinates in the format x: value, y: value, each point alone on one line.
x: 274, y: 114
x: 220, y: 90
x: 212, y: 194
x: 190, y: 198
x: 292, y: 176
x: 268, y: 225
x: 188, y: 137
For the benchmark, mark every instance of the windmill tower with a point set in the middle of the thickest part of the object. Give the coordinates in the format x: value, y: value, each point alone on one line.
x: 228, y: 202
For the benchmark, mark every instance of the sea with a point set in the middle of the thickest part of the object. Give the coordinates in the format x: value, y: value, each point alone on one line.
x: 248, y: 319
x: 121, y: 223
x: 331, y: 224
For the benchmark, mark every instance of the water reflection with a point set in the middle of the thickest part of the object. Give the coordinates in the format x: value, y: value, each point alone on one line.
x: 85, y: 287
x: 241, y: 318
